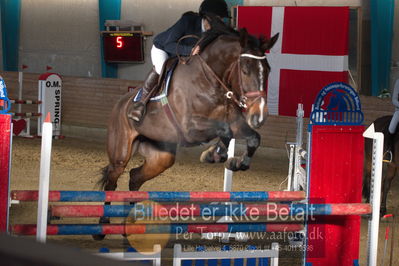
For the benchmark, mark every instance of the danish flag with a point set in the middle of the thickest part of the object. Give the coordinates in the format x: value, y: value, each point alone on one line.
x: 311, y: 52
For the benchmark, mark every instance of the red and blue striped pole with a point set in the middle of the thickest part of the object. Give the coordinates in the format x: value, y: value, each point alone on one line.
x: 160, y: 196
x: 206, y: 210
x: 118, y: 229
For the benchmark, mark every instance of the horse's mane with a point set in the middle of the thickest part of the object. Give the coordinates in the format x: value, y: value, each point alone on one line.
x: 219, y: 28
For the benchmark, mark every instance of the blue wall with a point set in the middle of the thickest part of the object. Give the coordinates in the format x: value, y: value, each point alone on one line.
x: 10, y: 25
x: 109, y: 10
x: 231, y: 3
x: 382, y: 14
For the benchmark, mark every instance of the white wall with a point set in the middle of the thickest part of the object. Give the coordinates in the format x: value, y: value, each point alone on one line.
x: 304, y: 2
x: 155, y: 16
x: 63, y: 34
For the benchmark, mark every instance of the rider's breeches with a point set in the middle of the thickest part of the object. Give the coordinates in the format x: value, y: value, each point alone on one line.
x: 394, y: 122
x: 158, y: 58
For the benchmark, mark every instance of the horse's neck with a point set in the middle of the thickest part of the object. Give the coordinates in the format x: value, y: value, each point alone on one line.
x: 221, y: 54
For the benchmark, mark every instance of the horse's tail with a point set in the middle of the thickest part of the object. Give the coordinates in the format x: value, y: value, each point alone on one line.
x: 104, y: 179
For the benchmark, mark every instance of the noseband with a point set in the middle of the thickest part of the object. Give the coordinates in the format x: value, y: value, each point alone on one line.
x: 250, y: 94
x: 241, y: 99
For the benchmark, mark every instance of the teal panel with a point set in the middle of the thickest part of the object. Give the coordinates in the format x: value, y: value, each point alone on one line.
x: 382, y: 13
x: 231, y: 3
x: 108, y: 10
x: 10, y: 24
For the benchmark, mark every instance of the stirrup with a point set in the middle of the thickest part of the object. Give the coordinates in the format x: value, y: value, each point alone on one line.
x: 387, y: 157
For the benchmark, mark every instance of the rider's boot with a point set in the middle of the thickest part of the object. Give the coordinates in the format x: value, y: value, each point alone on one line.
x: 138, y: 109
x: 389, y: 145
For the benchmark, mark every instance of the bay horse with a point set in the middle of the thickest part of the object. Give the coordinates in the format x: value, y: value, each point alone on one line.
x: 218, y: 94
x: 381, y: 124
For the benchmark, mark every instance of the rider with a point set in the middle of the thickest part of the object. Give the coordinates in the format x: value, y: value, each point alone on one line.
x: 395, y: 117
x: 165, y: 45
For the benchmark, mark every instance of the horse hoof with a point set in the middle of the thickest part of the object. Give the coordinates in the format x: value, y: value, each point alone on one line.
x: 244, y: 167
x: 223, y: 158
x: 236, y: 164
x: 244, y: 163
x: 221, y: 154
x: 231, y: 164
x: 214, y: 154
x: 206, y: 156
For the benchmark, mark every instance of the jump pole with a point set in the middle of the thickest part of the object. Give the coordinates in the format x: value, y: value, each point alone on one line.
x: 271, y: 210
x: 376, y: 177
x: 227, y: 187
x: 160, y: 196
x: 175, y: 228
x: 5, y: 163
x: 45, y: 162
x: 20, y: 88
x: 19, y: 101
x: 49, y: 101
x: 214, y: 227
x: 5, y: 156
x: 228, y: 174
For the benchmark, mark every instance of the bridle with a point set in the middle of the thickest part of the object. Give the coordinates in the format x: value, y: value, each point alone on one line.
x: 242, y: 97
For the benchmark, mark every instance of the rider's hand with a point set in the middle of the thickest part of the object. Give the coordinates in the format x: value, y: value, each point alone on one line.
x: 195, y: 50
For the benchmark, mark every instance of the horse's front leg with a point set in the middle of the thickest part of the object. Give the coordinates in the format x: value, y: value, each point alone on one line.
x: 242, y: 162
x: 217, y: 153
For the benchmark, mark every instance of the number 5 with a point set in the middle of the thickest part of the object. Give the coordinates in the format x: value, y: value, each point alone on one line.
x: 119, y: 42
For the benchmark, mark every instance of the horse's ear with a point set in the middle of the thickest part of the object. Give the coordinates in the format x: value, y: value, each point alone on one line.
x: 267, y: 45
x: 243, y: 37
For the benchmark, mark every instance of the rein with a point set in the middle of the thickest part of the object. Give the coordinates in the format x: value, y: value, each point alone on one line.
x: 241, y: 101
x: 164, y: 100
x: 181, y: 60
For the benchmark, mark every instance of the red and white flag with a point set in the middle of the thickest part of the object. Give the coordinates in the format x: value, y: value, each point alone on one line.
x: 311, y: 52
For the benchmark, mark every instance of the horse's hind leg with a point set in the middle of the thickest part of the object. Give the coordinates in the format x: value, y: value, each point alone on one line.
x: 158, y: 158
x: 120, y: 150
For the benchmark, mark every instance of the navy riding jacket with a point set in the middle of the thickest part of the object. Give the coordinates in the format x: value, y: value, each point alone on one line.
x: 189, y: 23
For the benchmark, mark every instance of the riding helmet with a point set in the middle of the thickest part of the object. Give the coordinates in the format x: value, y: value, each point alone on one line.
x: 217, y: 7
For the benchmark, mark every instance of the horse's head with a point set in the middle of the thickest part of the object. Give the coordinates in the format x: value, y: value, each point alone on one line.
x: 252, y: 72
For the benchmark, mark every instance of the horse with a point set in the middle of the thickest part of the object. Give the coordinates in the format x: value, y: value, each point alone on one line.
x: 217, y: 94
x: 381, y: 124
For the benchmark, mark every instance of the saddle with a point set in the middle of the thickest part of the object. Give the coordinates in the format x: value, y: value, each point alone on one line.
x: 162, y: 87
